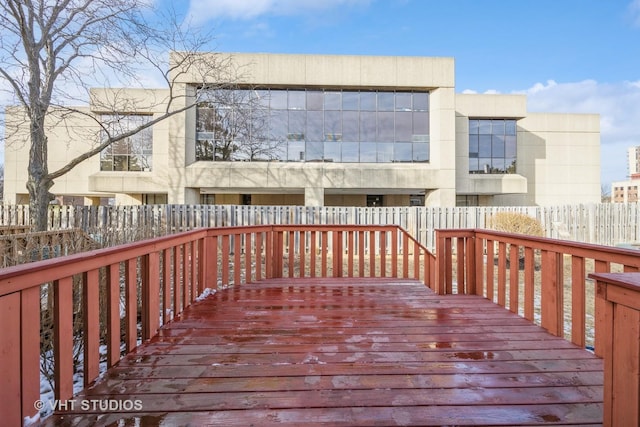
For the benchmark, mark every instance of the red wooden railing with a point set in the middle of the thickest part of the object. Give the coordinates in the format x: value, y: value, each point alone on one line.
x: 535, y: 276
x: 169, y: 272
x: 620, y: 294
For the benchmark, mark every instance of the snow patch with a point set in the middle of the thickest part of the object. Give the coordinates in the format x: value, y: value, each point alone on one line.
x: 206, y: 293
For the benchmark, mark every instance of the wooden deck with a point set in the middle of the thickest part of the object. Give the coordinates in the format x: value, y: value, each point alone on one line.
x: 348, y: 352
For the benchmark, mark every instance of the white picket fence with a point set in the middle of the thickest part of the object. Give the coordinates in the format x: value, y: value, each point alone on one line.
x: 607, y: 224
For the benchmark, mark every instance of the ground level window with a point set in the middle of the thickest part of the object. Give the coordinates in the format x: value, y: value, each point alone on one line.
x: 207, y: 199
x: 467, y: 200
x: 154, y: 199
x: 374, y: 201
x: 416, y: 200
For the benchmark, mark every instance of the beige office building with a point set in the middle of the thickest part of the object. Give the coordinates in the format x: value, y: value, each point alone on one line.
x: 329, y: 130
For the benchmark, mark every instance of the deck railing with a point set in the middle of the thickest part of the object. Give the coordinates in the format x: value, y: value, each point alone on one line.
x: 128, y: 292
x: 621, y: 296
x: 149, y: 283
x: 527, y: 269
x: 550, y: 282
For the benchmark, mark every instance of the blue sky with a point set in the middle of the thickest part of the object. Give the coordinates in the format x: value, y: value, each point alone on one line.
x: 566, y: 55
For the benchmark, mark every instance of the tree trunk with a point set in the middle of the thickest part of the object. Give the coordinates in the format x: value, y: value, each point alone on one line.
x: 39, y: 182
x: 39, y: 198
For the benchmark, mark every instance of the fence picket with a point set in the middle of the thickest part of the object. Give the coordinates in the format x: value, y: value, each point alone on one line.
x: 606, y: 224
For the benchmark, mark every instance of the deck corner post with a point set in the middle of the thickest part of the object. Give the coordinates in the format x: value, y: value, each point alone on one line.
x: 30, y: 350
x: 619, y: 294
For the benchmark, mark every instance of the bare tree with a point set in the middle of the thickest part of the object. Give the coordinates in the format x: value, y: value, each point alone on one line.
x: 53, y: 51
x: 605, y: 193
x: 1, y: 182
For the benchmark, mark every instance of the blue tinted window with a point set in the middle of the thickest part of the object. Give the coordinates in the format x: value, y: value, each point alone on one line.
x: 350, y: 101
x: 379, y: 125
x: 492, y: 146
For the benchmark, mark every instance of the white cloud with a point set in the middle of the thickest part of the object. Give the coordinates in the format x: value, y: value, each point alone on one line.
x: 618, y: 105
x: 201, y: 11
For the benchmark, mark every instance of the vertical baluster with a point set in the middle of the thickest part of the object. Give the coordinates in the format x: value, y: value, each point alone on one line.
x: 91, y: 325
x: 63, y: 338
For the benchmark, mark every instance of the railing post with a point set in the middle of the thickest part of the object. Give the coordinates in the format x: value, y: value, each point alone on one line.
x: 552, y: 293
x: 600, y: 267
x: 470, y: 265
x: 91, y: 321
x: 237, y: 257
x: 19, y: 355
x: 259, y: 256
x: 480, y: 261
x: 278, y: 253
x: 440, y: 273
x: 514, y: 279
x: 10, y: 398
x: 337, y: 253
x: 151, y: 296
x: 30, y: 349
x: 620, y: 296
x: 113, y: 314
x: 248, y: 251
x: 131, y: 304
x: 186, y: 273
x: 383, y: 253
x: 461, y: 263
x: 195, y: 274
x: 63, y: 338
x: 225, y: 260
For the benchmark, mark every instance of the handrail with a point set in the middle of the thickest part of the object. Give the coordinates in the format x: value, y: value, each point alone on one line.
x: 167, y: 274
x: 510, y: 269
x: 518, y: 255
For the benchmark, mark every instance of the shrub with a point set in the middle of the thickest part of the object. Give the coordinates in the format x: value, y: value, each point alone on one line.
x: 513, y: 222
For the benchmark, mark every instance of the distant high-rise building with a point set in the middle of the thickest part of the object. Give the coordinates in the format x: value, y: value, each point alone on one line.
x: 634, y: 162
x: 627, y: 191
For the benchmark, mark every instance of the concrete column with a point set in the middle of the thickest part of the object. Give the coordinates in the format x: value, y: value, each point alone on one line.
x: 92, y: 201
x: 314, y: 196
x: 183, y: 196
x: 441, y: 197
x: 128, y: 199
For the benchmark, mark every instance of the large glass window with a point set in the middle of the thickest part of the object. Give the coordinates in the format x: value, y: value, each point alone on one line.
x: 133, y: 153
x: 313, y: 125
x: 492, y: 146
